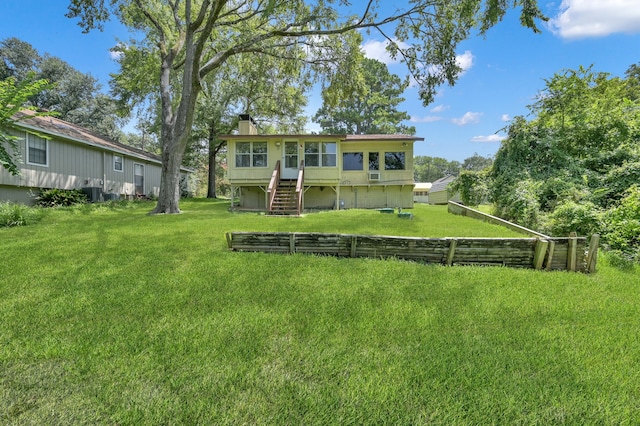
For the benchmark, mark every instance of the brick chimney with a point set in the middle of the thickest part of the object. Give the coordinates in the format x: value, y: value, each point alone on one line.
x: 247, y: 125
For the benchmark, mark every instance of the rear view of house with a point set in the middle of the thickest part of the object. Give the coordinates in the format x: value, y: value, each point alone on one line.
x: 57, y: 154
x: 291, y: 173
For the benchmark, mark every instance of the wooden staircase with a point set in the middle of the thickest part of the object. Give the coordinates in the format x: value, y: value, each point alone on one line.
x: 285, y: 195
x: 285, y: 201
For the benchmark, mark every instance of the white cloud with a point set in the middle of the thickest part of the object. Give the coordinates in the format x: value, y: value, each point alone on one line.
x: 596, y: 18
x: 426, y: 119
x: 465, y: 61
x: 115, y: 55
x: 490, y: 138
x: 374, y: 49
x: 467, y: 118
x: 439, y: 108
x: 505, y: 117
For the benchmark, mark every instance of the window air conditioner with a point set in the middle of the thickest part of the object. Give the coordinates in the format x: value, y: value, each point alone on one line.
x: 374, y: 175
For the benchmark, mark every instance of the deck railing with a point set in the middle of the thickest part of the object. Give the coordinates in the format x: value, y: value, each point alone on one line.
x: 273, y: 185
x: 300, y: 186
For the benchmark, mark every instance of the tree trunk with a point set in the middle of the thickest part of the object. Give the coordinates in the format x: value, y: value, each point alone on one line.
x: 176, y: 123
x: 211, y: 190
x: 169, y: 196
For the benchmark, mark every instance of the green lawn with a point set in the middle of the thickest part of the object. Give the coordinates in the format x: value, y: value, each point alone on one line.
x: 112, y: 316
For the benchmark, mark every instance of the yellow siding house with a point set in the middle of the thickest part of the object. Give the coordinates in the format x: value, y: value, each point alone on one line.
x: 290, y: 173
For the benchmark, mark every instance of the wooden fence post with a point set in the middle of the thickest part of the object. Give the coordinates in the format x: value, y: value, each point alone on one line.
x: 540, y: 253
x: 592, y: 257
x: 572, y: 252
x: 292, y: 243
x: 452, y: 250
x: 354, y: 242
x: 552, y: 247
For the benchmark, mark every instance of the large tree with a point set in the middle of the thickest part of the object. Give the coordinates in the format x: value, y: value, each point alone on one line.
x: 74, y: 96
x: 270, y: 90
x: 193, y: 38
x: 371, y: 109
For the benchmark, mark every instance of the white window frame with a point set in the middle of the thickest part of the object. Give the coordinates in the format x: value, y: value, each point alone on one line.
x: 252, y: 155
x: 143, y: 175
x: 322, y: 154
x: 28, y: 153
x: 121, y: 170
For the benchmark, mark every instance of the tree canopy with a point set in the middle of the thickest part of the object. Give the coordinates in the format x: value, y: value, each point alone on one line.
x: 371, y: 108
x: 189, y: 39
x: 74, y: 96
x: 575, y: 160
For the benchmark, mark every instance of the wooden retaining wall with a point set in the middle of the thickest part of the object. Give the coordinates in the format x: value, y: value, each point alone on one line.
x: 550, y: 253
x: 462, y: 210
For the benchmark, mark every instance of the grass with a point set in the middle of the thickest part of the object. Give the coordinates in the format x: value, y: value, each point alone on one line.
x: 112, y: 316
x: 12, y: 214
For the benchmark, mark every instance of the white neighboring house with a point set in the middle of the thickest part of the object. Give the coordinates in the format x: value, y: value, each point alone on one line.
x: 439, y: 193
x: 58, y: 154
x: 421, y: 192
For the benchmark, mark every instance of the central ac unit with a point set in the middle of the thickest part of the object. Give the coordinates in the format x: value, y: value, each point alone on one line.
x: 374, y: 175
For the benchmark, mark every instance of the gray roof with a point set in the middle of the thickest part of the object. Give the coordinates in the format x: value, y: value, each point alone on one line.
x: 28, y: 120
x: 442, y: 183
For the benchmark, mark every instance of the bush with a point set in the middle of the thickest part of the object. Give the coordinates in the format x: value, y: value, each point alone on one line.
x: 12, y: 214
x: 622, y: 229
x: 520, y: 204
x: 620, y: 260
x: 60, y: 197
x: 569, y: 216
x: 472, y: 187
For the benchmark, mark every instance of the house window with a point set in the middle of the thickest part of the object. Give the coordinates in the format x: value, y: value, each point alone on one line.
x: 394, y: 161
x: 320, y: 154
x: 37, y: 150
x: 251, y: 154
x: 352, y: 161
x: 117, y: 163
x: 374, y: 161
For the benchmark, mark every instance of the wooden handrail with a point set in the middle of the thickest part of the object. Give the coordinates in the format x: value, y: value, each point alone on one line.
x: 273, y: 185
x: 300, y: 186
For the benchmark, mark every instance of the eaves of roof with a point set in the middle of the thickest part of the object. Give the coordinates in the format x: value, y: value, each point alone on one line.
x: 344, y: 138
x: 49, y: 125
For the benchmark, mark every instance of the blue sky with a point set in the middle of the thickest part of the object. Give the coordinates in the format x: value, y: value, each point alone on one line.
x: 503, y: 71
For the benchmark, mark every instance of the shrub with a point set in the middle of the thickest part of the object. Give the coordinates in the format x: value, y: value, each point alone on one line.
x: 620, y: 260
x: 60, y: 197
x: 12, y: 214
x: 616, y: 182
x: 569, y: 216
x: 622, y: 223
x: 520, y: 204
x: 472, y: 187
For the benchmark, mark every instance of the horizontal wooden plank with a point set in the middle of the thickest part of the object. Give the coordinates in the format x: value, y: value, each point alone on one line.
x: 513, y: 252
